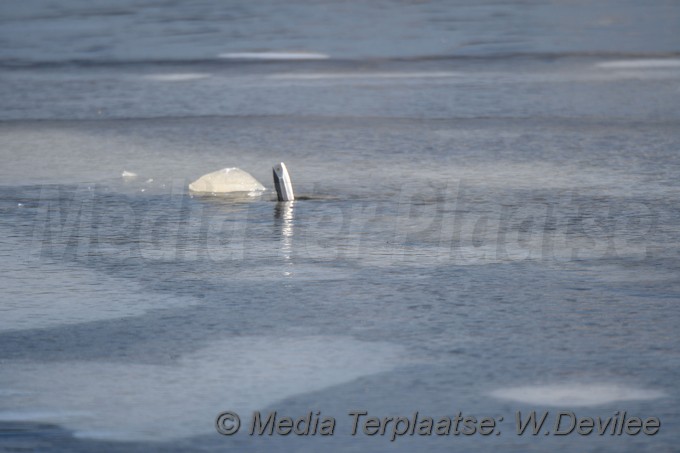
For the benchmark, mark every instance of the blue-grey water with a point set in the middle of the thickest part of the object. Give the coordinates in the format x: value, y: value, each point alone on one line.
x: 487, y: 220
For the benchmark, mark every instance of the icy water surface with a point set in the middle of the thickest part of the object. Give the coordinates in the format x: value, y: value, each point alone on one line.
x: 486, y: 222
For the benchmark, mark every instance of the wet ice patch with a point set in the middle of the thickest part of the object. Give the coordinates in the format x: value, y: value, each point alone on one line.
x: 542, y: 175
x: 10, y: 392
x: 179, y: 77
x: 657, y: 63
x: 364, y: 75
x: 572, y: 395
x: 274, y: 56
x: 135, y: 401
x: 91, y: 297
x: 31, y: 299
x: 39, y: 416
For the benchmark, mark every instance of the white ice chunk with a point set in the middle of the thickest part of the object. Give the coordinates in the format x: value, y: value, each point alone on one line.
x: 128, y: 174
x: 226, y: 180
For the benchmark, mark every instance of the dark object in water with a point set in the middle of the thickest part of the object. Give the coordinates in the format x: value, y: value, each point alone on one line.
x: 284, y: 188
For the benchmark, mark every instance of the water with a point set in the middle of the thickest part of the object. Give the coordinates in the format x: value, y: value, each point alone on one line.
x: 486, y: 223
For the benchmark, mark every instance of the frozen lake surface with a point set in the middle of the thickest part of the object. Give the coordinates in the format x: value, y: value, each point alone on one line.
x: 487, y: 220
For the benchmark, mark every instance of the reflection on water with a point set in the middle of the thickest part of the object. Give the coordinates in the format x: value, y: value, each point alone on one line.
x: 284, y: 213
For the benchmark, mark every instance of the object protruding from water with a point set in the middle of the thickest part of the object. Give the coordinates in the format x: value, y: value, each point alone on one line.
x: 284, y: 188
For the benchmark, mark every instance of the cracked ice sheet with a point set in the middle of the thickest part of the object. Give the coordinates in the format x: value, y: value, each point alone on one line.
x: 116, y: 401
